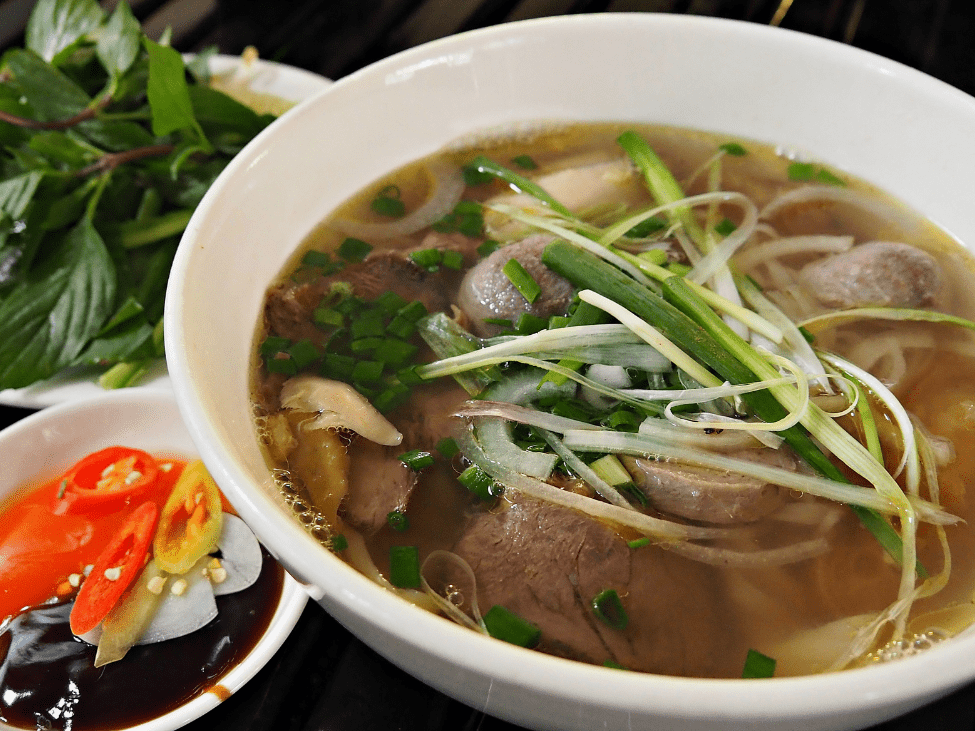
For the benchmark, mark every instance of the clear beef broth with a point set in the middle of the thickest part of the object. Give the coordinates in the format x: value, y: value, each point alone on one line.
x: 704, y: 616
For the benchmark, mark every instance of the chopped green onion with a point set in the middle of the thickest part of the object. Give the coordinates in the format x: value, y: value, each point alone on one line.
x: 623, y: 420
x: 388, y: 202
x: 504, y: 624
x: 480, y: 483
x: 367, y: 371
x: 453, y: 260
x: 391, y: 398
x: 367, y: 327
x: 304, y: 353
x: 398, y: 521
x: 274, y: 344
x: 801, y: 171
x: 646, y: 228
x: 404, y: 567
x: 825, y: 176
x: 529, y: 323
x: 284, y: 365
x: 525, y: 162
x: 613, y: 665
x: 500, y: 322
x: 467, y: 218
x: 389, y: 302
x: 758, y: 665
x: 339, y: 542
x: 354, y: 249
x: 447, y: 447
x: 733, y: 148
x: 806, y: 171
x: 488, y: 247
x: 328, y: 317
x: 608, y: 608
x: 639, y: 542
x: 416, y: 459
x: 810, y: 338
x: 428, y: 259
x: 366, y: 346
x: 522, y: 280
x: 337, y: 366
x: 611, y: 469
x: 725, y: 228
x: 397, y: 352
x: 319, y: 260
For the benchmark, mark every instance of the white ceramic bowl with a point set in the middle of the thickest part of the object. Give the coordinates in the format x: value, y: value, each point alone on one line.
x: 893, y: 126
x: 44, y: 444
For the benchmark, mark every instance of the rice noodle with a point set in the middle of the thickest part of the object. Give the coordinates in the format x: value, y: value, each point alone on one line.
x: 760, y: 558
x: 835, y: 194
x: 791, y: 246
x: 718, y: 257
x: 447, y: 184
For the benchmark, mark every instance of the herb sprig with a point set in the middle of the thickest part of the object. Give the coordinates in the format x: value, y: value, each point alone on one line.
x: 108, y: 144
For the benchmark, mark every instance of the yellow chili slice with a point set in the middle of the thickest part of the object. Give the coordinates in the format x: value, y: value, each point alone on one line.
x: 190, y: 522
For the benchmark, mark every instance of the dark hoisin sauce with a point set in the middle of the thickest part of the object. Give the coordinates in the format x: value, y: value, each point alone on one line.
x: 48, y: 679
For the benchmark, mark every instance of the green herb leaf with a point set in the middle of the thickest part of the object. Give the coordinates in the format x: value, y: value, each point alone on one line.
x: 46, y: 321
x: 49, y: 94
x: 118, y: 43
x: 168, y: 92
x: 758, y: 665
x: 57, y: 24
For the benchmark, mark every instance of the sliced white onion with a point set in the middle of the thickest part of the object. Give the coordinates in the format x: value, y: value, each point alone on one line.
x: 242, y: 558
x: 181, y: 614
x: 448, y: 186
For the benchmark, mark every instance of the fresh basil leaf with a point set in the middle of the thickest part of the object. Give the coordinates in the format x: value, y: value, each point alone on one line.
x: 129, y: 309
x: 16, y: 193
x: 65, y: 207
x: 114, y: 134
x: 128, y: 341
x: 59, y: 147
x: 118, y: 43
x: 47, y: 320
x: 19, y: 244
x: 49, y: 93
x: 168, y: 92
x: 56, y: 24
x: 218, y: 113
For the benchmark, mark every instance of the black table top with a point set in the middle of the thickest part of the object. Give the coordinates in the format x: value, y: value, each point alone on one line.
x: 323, y: 678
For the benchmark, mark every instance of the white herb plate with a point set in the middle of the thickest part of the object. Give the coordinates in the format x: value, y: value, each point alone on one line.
x: 41, y: 445
x: 257, y: 76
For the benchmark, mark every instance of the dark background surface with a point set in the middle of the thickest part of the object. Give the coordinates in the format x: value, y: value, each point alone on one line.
x: 324, y: 679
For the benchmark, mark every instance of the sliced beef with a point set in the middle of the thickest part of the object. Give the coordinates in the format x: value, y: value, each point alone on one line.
x: 425, y: 417
x: 878, y: 273
x: 289, y: 307
x: 378, y: 484
x: 487, y: 293
x: 547, y: 563
x: 706, y: 495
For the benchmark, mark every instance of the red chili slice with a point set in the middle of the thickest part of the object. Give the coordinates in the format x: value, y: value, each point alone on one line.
x: 114, y: 569
x: 106, y: 480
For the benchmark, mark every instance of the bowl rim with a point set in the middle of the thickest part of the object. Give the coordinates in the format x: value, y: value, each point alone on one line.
x: 933, y: 673
x: 290, y: 604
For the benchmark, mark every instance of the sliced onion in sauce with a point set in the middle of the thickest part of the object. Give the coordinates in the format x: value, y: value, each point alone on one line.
x: 447, y: 187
